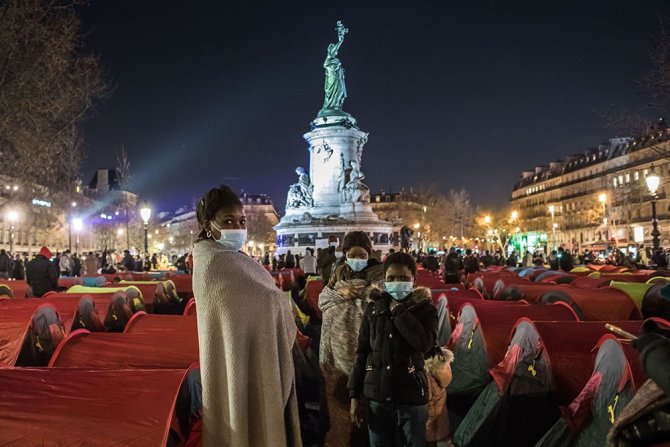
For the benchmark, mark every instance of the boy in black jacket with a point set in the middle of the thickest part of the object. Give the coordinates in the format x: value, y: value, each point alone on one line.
x: 399, y: 327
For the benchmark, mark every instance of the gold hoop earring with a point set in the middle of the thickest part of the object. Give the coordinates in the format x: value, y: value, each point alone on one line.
x: 208, y: 233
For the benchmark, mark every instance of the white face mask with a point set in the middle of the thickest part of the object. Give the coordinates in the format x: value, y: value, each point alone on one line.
x: 231, y: 239
x: 399, y: 290
x: 357, y: 265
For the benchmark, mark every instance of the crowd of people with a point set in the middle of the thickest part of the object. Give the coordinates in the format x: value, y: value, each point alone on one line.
x: 42, y: 271
x: 382, y: 376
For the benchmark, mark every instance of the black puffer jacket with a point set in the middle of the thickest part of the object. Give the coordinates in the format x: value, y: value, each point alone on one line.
x: 391, y: 348
x: 42, y: 275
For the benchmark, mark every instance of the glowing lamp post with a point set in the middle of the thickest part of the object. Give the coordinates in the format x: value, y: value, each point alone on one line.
x: 78, y: 225
x: 653, y: 181
x: 145, y: 212
x: 552, y: 211
x: 12, y: 217
x: 602, y: 198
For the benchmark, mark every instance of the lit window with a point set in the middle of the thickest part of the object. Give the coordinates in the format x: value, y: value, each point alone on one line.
x: 627, y: 177
x: 621, y: 179
x: 616, y: 183
x: 636, y: 176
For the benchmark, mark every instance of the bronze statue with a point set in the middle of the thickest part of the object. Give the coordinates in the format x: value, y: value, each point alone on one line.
x: 335, y: 89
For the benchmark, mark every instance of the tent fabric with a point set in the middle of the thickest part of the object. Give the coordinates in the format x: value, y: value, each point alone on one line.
x: 16, y: 317
x: 174, y: 349
x: 119, y: 312
x: 44, y: 335
x: 443, y: 325
x: 94, y: 281
x: 588, y: 418
x: 601, y: 304
x: 530, y: 292
x: 548, y: 274
x: 501, y: 283
x: 547, y: 364
x: 587, y: 282
x: 313, y: 289
x: 75, y: 409
x: 569, y: 347
x: 65, y: 282
x: 20, y: 288
x: 481, y: 337
x: 87, y: 316
x: 655, y: 304
x: 506, y: 412
x: 147, y: 291
x: 190, y: 307
x: 157, y: 324
x: 636, y: 291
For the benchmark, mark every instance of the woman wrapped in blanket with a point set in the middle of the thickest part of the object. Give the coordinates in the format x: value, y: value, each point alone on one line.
x: 342, y: 303
x: 246, y: 332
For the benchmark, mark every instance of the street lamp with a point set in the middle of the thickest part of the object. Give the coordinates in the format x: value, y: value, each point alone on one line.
x: 145, y: 213
x: 515, y: 215
x: 552, y: 211
x: 487, y: 220
x: 73, y: 205
x: 653, y: 181
x: 12, y: 217
x: 602, y: 198
x: 78, y: 225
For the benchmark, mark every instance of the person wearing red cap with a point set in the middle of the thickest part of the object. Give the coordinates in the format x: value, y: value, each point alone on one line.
x: 41, y: 273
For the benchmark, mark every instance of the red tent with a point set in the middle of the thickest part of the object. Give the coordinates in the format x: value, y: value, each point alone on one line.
x: 587, y: 282
x: 546, y: 364
x: 70, y: 406
x: 530, y: 292
x: 65, y: 282
x: 16, y: 317
x: 157, y: 324
x: 174, y: 349
x: 599, y: 304
x: 570, y: 349
x: 20, y: 288
x: 66, y: 303
x: 148, y: 291
x: 183, y: 284
x: 190, y: 308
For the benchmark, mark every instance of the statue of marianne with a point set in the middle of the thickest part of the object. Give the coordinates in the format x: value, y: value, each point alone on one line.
x: 335, y: 89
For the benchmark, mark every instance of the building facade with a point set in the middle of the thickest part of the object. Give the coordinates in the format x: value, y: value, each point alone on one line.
x: 175, y: 232
x: 596, y: 199
x: 32, y: 216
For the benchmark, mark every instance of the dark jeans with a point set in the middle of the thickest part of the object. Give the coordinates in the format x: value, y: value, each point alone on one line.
x: 397, y: 425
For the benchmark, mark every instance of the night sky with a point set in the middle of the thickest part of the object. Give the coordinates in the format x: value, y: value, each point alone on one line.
x: 453, y: 93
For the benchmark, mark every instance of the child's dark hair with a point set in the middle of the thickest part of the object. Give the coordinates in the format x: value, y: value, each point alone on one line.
x: 401, y: 258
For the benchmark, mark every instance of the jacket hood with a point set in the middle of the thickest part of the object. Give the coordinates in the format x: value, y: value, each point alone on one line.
x: 44, y: 251
x: 419, y: 294
x: 439, y: 369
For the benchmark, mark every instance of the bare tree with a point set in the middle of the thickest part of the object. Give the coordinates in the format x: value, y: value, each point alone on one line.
x: 47, y: 86
x: 124, y: 177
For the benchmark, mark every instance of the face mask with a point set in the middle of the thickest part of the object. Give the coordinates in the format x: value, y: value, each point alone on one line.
x: 399, y: 289
x: 232, y: 239
x: 333, y: 244
x: 357, y: 265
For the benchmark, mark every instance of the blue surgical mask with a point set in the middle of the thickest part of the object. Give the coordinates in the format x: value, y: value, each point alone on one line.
x: 231, y: 239
x: 356, y: 264
x: 399, y: 290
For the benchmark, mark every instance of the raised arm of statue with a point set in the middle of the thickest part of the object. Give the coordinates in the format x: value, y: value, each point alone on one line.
x: 335, y: 89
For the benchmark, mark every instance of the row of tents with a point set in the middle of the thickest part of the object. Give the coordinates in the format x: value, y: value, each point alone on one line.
x: 533, y: 361
x: 83, y: 366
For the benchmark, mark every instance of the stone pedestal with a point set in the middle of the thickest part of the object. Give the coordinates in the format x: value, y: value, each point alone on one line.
x: 334, y: 141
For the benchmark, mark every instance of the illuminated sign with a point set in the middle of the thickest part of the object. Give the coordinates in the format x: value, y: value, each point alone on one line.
x: 638, y: 234
x: 43, y: 203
